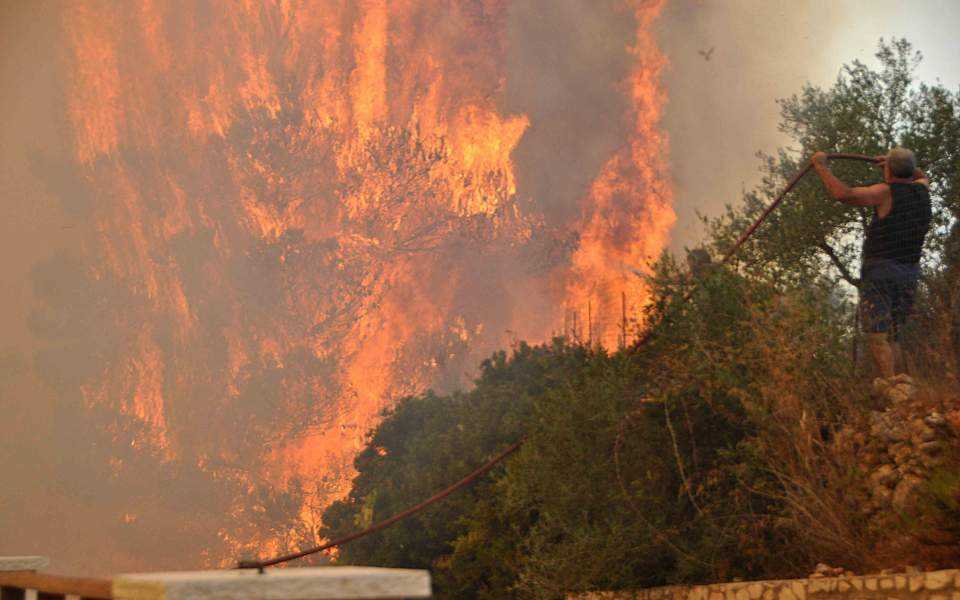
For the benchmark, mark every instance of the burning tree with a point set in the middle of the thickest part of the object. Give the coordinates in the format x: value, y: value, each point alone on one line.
x: 290, y: 217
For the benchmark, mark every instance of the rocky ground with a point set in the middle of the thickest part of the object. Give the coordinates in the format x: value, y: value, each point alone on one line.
x: 906, y: 441
x: 899, y: 447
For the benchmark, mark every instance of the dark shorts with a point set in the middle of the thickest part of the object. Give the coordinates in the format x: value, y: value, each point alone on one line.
x: 887, y: 292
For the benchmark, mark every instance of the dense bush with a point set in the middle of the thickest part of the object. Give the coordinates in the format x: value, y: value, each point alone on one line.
x: 703, y: 454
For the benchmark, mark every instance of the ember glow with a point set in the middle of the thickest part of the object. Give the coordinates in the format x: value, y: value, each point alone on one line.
x: 299, y: 211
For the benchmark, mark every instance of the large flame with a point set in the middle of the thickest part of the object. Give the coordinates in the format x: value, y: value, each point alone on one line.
x: 306, y: 210
x: 628, y: 214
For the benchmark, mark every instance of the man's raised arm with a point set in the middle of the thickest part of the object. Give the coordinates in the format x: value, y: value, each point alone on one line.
x: 872, y: 195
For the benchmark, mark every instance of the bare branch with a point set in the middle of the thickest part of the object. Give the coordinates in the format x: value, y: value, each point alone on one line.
x: 835, y: 259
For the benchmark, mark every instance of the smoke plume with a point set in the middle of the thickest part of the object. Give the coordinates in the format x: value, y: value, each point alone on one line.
x: 237, y: 234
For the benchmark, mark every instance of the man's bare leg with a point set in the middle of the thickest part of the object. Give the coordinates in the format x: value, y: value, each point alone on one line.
x: 898, y: 361
x: 882, y: 354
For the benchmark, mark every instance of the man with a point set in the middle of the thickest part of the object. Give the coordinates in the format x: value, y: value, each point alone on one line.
x: 891, y: 249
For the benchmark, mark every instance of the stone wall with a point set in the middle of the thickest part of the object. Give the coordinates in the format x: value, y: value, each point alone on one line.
x: 935, y: 585
x: 900, y: 447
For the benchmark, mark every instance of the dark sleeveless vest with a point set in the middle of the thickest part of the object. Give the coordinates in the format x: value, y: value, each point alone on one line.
x: 899, y: 236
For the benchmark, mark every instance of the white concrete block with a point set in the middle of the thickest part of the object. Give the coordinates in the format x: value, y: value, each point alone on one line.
x: 310, y: 583
x: 23, y: 563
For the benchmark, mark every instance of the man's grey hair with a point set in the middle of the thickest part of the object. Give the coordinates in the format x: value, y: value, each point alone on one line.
x: 902, y: 162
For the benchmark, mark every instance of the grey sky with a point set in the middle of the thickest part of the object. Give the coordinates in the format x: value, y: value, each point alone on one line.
x: 723, y: 111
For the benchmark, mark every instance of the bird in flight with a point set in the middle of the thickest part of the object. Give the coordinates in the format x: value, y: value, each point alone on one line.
x: 706, y: 54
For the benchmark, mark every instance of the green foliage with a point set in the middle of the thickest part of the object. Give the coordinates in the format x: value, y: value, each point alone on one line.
x: 640, y: 468
x: 943, y: 491
x: 866, y: 111
x: 702, y: 455
x: 427, y: 442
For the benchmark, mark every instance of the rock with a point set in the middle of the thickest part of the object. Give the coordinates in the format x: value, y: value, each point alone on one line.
x: 935, y: 420
x: 923, y: 432
x: 824, y: 585
x: 883, y: 496
x: 931, y: 461
x: 903, y: 392
x: 825, y: 570
x: 877, y: 504
x: 885, y: 475
x: 937, y: 580
x: 898, y: 389
x: 901, y: 453
x: 880, y: 386
x: 953, y: 421
x: 931, y: 448
x: 882, y: 426
x: 900, y: 394
x: 903, y: 495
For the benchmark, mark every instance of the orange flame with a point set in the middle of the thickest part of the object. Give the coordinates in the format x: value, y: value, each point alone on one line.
x: 294, y: 204
x: 628, y: 215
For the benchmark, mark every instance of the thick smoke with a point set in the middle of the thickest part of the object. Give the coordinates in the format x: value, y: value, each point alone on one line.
x: 31, y: 223
x: 722, y: 109
x: 566, y: 71
x: 33, y: 226
x: 89, y: 477
x: 171, y: 290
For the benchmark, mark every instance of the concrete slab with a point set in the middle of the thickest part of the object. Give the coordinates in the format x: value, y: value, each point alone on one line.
x: 23, y: 563
x: 311, y: 583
